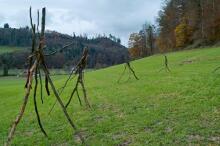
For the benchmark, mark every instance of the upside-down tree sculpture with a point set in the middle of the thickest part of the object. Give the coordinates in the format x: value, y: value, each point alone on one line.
x: 37, y: 63
x: 128, y: 67
x: 166, y: 66
x: 79, y: 72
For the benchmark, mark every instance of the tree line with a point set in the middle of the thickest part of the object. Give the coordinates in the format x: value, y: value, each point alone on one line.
x: 103, y: 51
x: 181, y: 24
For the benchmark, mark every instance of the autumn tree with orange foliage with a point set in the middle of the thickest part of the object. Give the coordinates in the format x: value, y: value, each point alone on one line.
x: 143, y: 43
x: 186, y: 22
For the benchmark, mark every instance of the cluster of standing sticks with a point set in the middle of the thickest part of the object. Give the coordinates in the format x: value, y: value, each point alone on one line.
x: 79, y: 72
x: 131, y: 71
x: 166, y: 66
x: 37, y: 63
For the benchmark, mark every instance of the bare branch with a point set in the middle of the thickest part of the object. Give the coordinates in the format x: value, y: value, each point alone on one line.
x: 35, y: 105
x: 21, y: 113
x: 41, y: 86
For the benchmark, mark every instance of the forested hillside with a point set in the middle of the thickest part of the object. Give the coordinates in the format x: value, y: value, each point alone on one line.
x: 103, y: 51
x: 181, y: 24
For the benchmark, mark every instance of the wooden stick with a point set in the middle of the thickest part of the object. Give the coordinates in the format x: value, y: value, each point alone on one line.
x: 166, y: 63
x: 71, y: 96
x: 130, y: 68
x: 20, y: 115
x: 41, y: 87
x: 62, y: 89
x: 84, y: 91
x: 35, y: 105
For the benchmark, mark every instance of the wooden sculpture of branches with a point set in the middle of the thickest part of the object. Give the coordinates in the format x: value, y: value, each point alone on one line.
x: 166, y: 65
x: 130, y: 69
x: 36, y: 63
x: 79, y: 72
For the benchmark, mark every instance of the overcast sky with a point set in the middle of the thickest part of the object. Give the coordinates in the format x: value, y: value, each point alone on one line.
x: 118, y: 17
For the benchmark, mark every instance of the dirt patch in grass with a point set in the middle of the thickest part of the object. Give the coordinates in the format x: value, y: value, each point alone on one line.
x: 76, y: 136
x: 61, y: 144
x: 215, y: 139
x: 198, y: 138
x: 195, y: 138
x: 190, y: 61
x: 125, y: 143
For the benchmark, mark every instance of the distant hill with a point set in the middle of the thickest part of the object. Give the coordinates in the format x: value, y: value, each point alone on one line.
x: 103, y: 51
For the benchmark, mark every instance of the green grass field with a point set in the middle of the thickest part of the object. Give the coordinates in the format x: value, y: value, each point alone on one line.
x: 177, y: 108
x: 8, y: 49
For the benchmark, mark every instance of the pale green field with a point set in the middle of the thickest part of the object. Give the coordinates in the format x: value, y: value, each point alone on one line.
x: 177, y: 108
x: 8, y: 49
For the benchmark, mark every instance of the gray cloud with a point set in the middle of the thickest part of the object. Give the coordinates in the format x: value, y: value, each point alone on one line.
x: 118, y: 17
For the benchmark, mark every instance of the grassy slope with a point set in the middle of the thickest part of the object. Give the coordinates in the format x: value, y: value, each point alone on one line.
x: 161, y: 108
x: 8, y: 49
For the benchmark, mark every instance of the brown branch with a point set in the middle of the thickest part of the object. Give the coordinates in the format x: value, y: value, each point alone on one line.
x: 62, y: 89
x: 84, y: 91
x: 74, y: 90
x: 43, y: 24
x: 46, y: 86
x: 21, y: 113
x: 77, y: 93
x: 33, y: 46
x: 35, y: 105
x: 41, y: 87
x: 38, y: 20
x: 166, y: 63
x: 131, y: 69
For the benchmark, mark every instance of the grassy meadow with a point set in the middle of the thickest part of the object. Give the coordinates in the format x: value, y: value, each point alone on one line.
x: 177, y: 108
x: 8, y: 49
